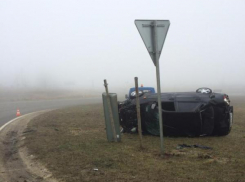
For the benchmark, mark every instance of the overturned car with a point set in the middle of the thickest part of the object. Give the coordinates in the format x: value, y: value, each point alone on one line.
x: 200, y: 113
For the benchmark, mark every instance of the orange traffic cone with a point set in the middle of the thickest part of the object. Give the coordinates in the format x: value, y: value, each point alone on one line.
x: 18, y: 112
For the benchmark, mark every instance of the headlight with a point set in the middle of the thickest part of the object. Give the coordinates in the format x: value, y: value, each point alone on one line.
x: 226, y: 99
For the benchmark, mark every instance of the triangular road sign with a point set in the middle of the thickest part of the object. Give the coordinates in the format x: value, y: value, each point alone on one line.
x: 153, y: 34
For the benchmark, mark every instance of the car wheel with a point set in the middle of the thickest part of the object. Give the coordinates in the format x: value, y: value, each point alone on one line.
x: 204, y: 90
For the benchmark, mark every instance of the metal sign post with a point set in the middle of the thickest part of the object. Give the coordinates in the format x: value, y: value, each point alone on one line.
x: 153, y: 34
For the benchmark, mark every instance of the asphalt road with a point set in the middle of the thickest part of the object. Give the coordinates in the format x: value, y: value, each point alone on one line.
x: 8, y: 109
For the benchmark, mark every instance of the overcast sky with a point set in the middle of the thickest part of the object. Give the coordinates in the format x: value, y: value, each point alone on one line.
x: 79, y: 43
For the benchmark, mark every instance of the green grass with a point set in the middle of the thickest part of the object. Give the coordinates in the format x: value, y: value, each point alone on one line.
x: 72, y: 142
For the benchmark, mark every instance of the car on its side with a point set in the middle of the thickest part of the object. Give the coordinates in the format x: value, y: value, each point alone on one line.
x: 200, y: 113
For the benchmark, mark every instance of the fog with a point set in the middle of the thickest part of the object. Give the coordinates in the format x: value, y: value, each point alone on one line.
x: 74, y: 45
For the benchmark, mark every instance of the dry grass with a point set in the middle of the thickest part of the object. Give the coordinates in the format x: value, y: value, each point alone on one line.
x: 72, y: 143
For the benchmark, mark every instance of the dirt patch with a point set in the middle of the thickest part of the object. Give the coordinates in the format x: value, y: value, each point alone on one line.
x: 16, y: 165
x: 73, y: 146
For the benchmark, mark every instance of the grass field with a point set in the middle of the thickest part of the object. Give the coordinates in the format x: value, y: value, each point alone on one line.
x: 72, y: 144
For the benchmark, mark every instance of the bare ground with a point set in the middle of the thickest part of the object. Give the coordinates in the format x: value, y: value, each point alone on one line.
x: 72, y: 144
x: 15, y: 163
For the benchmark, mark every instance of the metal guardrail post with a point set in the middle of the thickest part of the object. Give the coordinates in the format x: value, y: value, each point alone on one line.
x: 110, y: 112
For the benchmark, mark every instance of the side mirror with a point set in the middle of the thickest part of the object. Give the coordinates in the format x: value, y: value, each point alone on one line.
x: 126, y: 96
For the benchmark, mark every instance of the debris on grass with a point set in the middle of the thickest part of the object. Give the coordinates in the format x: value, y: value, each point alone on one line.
x: 181, y: 146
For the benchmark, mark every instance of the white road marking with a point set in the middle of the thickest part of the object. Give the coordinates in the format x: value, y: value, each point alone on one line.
x: 6, y: 124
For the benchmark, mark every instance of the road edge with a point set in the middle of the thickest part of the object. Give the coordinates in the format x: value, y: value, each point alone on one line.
x: 32, y: 166
x: 11, y: 121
